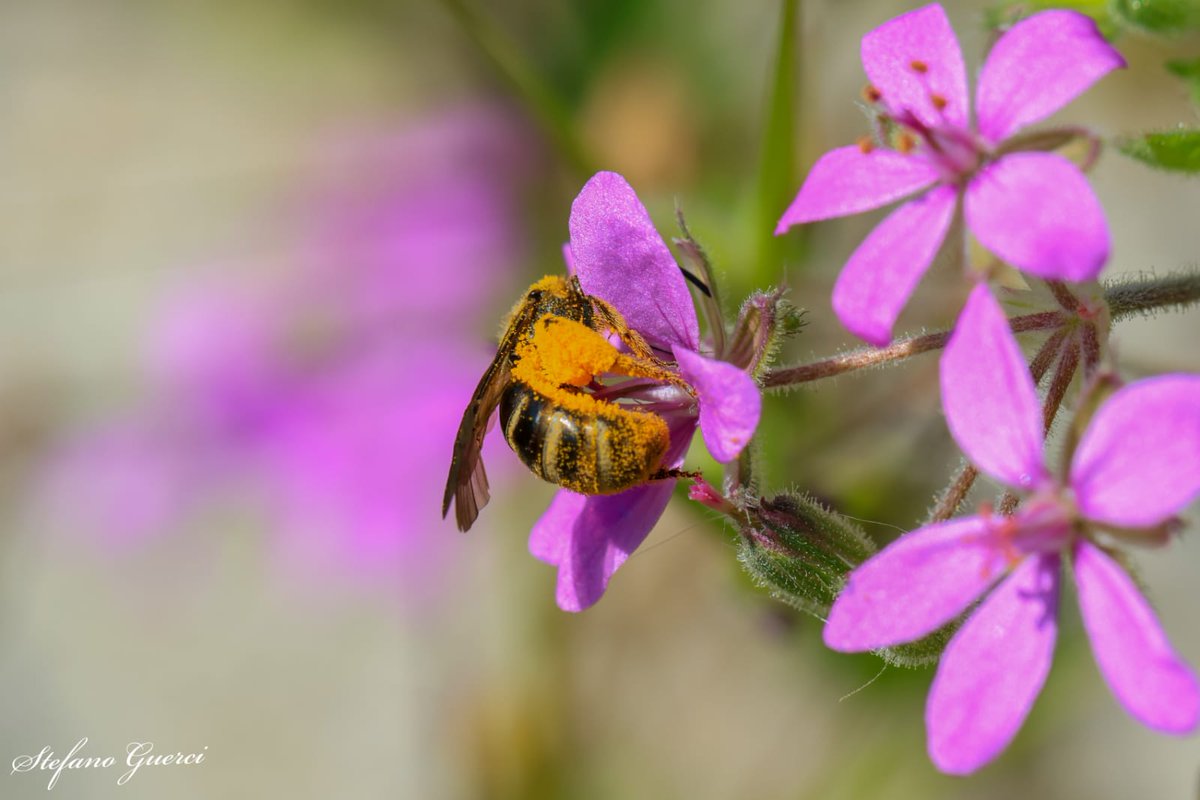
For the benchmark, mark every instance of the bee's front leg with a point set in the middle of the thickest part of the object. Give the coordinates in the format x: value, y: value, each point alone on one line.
x: 612, y: 319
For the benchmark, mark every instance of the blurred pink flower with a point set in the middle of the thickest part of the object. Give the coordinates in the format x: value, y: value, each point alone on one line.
x: 426, y: 222
x: 1035, y: 210
x: 1136, y: 465
x: 325, y: 389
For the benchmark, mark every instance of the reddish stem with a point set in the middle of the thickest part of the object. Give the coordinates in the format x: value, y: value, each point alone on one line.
x: 897, y: 351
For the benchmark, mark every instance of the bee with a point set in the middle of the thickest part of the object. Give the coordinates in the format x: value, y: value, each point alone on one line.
x: 557, y: 429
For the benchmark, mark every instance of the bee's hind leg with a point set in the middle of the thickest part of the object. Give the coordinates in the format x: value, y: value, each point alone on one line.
x: 671, y: 474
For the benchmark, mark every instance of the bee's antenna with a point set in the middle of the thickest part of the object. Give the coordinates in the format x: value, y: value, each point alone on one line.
x: 699, y: 284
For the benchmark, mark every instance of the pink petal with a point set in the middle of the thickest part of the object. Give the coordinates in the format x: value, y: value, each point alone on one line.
x: 881, y: 274
x: 590, y: 537
x: 1038, y: 67
x: 847, y: 180
x: 730, y: 403
x: 1139, y: 460
x: 1156, y: 687
x: 552, y: 532
x: 925, y: 36
x: 993, y: 669
x: 620, y: 257
x: 988, y: 396
x: 915, y: 585
x: 1038, y: 212
x: 569, y: 259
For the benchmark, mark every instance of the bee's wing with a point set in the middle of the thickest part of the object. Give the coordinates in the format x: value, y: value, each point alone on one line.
x: 467, y: 482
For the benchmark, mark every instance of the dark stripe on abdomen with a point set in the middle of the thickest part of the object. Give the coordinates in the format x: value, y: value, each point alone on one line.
x: 523, y: 417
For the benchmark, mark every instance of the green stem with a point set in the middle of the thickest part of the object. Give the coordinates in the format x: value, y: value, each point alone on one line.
x: 1144, y: 296
x: 776, y: 170
x: 545, y: 106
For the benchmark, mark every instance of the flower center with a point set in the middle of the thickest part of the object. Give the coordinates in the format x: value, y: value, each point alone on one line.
x: 1045, y: 523
x: 955, y: 150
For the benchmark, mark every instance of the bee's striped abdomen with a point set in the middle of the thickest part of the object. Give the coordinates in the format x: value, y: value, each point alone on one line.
x: 557, y: 444
x: 598, y: 453
x: 521, y: 414
x: 569, y: 449
x: 630, y: 446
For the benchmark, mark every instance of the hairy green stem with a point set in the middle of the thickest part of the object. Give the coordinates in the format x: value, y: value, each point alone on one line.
x: 1146, y: 295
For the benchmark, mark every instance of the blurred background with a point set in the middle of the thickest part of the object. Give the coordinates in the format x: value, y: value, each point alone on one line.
x: 252, y: 262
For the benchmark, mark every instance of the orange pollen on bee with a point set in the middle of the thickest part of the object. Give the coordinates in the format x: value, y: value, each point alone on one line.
x: 865, y: 144
x: 548, y: 283
x: 918, y: 66
x: 871, y: 94
x: 561, y: 356
x: 938, y: 101
x: 563, y: 353
x: 567, y: 352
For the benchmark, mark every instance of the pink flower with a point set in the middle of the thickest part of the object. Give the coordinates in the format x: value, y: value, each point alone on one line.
x: 620, y: 257
x: 1034, y: 210
x: 1136, y: 465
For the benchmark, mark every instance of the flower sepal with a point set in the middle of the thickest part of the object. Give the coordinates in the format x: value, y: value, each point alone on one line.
x: 765, y: 320
x: 922, y: 652
x: 798, y: 549
x: 1071, y: 140
x: 1159, y: 535
x: 802, y: 553
x: 697, y: 268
